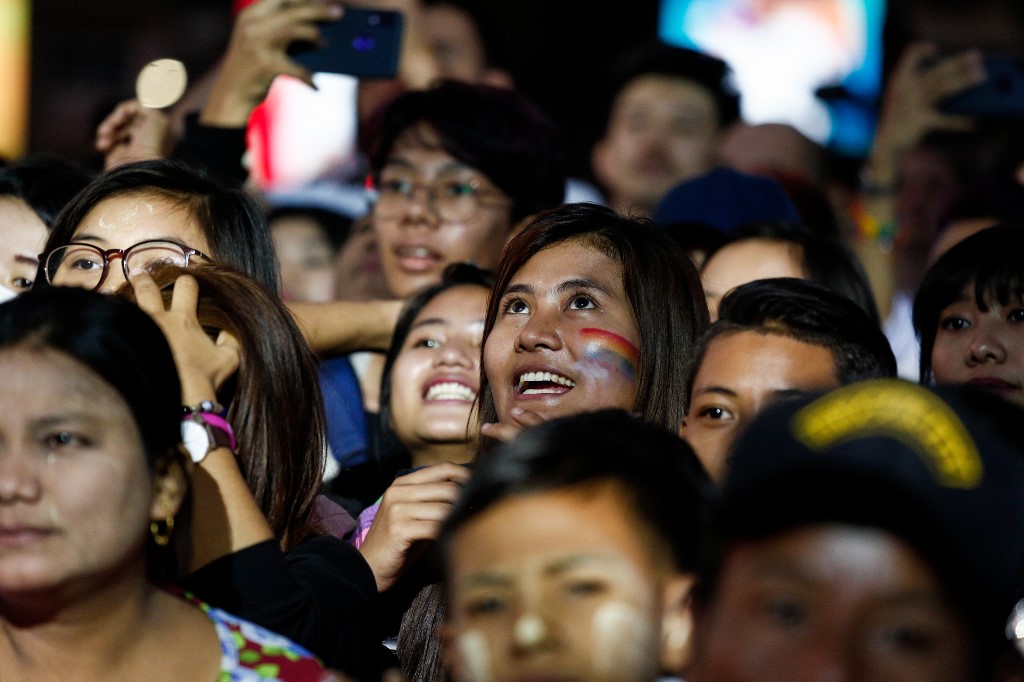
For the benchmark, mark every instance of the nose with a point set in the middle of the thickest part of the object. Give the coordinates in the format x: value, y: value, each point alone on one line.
x: 420, y: 206
x: 540, y: 331
x: 115, y: 274
x: 458, y: 353
x: 986, y: 346
x: 533, y: 632
x: 19, y: 478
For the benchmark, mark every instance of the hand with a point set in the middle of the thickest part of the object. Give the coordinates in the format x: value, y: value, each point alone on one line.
x: 910, y: 108
x: 132, y: 132
x: 258, y: 52
x: 410, y: 514
x: 505, y: 432
x: 203, y: 364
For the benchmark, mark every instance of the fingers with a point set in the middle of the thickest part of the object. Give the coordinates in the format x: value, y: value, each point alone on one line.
x: 116, y: 127
x: 446, y: 471
x: 185, y: 296
x: 147, y: 293
x: 525, y: 418
x: 953, y: 74
x: 500, y: 431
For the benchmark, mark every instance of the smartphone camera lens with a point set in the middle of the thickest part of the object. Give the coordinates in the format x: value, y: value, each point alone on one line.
x: 373, y: 20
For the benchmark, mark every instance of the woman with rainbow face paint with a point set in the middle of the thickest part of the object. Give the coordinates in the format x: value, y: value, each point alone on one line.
x: 589, y: 310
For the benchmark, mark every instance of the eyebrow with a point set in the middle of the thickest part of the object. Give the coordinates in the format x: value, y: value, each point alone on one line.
x: 567, y: 285
x: 58, y: 419
x: 429, y: 320
x: 502, y: 579
x: 29, y: 260
x: 448, y: 167
x: 717, y: 389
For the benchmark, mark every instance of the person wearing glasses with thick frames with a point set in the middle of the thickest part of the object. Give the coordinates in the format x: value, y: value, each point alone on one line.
x: 455, y: 169
x: 85, y: 265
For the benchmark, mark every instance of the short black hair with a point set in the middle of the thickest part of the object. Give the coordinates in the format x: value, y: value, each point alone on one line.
x: 655, y: 58
x: 826, y: 259
x: 46, y: 183
x: 808, y: 312
x: 497, y: 131
x: 991, y: 260
x: 661, y: 478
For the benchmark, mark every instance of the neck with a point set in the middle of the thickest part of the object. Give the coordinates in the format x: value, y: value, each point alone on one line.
x: 43, y: 635
x: 437, y: 453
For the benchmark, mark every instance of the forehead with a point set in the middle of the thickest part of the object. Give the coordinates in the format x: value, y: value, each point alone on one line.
x: 571, y: 259
x: 463, y: 302
x: 568, y: 526
x: 749, y: 362
x: 751, y: 259
x: 43, y: 379
x: 125, y: 219
x: 668, y: 93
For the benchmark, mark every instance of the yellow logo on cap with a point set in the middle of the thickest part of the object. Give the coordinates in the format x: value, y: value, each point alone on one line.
x: 910, y: 414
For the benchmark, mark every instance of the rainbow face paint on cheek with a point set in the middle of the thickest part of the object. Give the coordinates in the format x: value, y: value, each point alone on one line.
x: 610, y: 351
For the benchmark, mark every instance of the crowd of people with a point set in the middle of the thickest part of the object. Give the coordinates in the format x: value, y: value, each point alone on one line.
x: 729, y: 419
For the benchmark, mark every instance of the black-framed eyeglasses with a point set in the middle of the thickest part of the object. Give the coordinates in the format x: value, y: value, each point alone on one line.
x: 85, y: 265
x: 452, y: 200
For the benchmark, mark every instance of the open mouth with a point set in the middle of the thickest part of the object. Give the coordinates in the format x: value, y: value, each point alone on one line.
x: 416, y: 258
x: 449, y: 391
x: 540, y: 383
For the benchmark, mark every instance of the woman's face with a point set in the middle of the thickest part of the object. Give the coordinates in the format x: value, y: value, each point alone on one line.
x: 565, y: 340
x: 22, y: 235
x: 436, y: 376
x: 76, y: 494
x: 415, y: 242
x: 745, y: 261
x: 305, y: 259
x: 828, y: 602
x: 125, y: 220
x: 981, y: 348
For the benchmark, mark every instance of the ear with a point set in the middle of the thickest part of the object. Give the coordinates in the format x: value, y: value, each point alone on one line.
x: 677, y: 624
x: 682, y: 428
x: 170, y: 484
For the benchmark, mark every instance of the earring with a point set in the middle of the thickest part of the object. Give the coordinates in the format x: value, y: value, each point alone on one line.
x: 163, y: 538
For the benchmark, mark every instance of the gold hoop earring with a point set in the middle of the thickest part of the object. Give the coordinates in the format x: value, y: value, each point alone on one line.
x: 163, y: 538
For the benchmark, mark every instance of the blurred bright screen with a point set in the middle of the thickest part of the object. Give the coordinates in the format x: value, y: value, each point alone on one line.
x: 784, y: 52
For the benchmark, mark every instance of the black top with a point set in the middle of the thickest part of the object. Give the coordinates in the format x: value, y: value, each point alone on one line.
x: 321, y: 595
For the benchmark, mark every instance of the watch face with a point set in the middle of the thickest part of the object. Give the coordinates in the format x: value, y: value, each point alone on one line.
x: 196, y: 439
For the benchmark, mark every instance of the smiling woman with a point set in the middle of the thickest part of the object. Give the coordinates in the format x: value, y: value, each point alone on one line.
x: 590, y: 309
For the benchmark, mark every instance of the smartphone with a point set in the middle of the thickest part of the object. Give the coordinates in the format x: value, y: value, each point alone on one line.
x: 1002, y: 94
x: 364, y: 43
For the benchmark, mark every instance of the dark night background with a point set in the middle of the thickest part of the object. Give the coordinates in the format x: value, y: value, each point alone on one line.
x: 85, y: 55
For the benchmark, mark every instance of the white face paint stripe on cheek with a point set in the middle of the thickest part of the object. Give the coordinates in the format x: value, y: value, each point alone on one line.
x: 475, y: 657
x: 621, y: 638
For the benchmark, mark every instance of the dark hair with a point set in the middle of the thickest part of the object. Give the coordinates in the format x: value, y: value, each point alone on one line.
x: 992, y: 261
x: 497, y: 131
x: 274, y: 401
x: 656, y: 58
x: 121, y: 344
x: 661, y: 284
x: 333, y: 225
x: 46, y: 183
x: 230, y: 219
x: 807, y: 312
x: 391, y: 455
x: 826, y: 260
x: 660, y: 477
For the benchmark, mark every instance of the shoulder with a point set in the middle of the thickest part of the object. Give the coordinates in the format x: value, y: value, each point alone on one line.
x: 252, y: 653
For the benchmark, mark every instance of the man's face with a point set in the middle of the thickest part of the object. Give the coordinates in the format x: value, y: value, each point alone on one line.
x: 662, y: 130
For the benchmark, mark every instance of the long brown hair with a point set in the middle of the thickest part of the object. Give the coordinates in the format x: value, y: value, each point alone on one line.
x: 274, y: 402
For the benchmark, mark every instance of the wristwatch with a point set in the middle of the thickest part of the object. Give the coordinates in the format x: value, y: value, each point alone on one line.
x: 203, y: 428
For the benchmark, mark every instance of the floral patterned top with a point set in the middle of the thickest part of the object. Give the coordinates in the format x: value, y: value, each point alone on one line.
x: 249, y: 653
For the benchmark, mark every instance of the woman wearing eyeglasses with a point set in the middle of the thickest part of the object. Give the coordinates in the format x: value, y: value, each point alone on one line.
x: 308, y: 586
